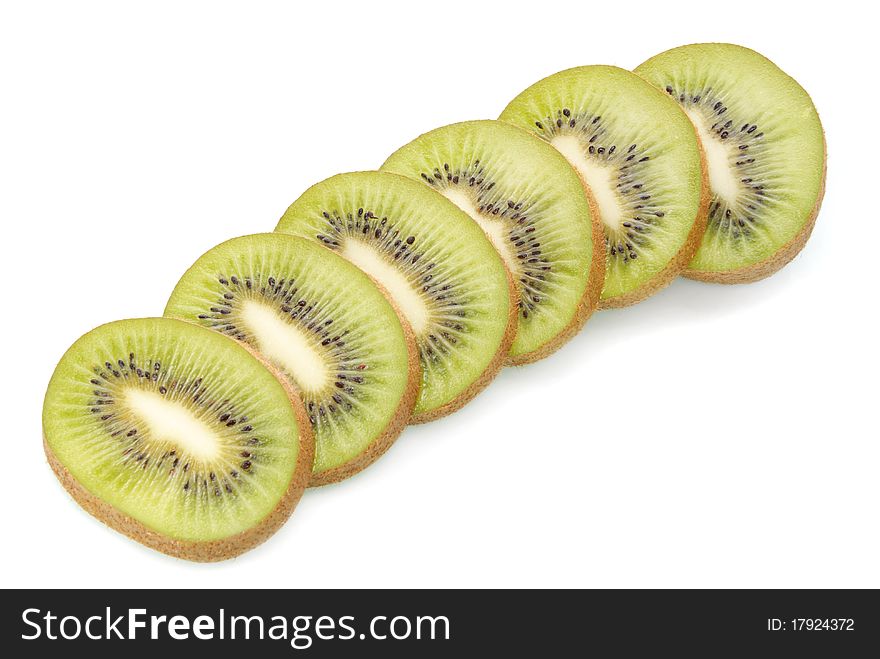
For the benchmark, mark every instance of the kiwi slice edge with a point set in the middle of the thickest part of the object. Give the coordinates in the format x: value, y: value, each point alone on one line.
x: 534, y: 208
x: 769, y: 121
x: 640, y: 161
x: 469, y: 294
x: 97, y: 504
x: 352, y: 325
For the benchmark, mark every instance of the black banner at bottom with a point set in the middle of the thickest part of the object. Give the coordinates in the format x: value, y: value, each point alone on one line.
x: 334, y: 623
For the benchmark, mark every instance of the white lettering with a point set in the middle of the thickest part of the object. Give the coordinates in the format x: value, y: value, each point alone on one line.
x: 203, y: 628
x: 134, y: 623
x: 24, y: 618
x: 178, y: 628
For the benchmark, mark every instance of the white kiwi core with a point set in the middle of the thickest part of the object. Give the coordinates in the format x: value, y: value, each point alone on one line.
x: 286, y: 345
x: 721, y: 176
x: 493, y: 228
x: 172, y: 422
x: 392, y: 279
x: 599, y: 179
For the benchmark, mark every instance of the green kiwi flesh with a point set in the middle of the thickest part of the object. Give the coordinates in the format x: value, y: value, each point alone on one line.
x: 533, y: 207
x: 639, y: 157
x: 438, y: 266
x: 176, y: 436
x: 765, y: 153
x: 325, y: 326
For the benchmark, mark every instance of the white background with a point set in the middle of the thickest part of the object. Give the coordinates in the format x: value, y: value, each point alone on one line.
x: 710, y: 436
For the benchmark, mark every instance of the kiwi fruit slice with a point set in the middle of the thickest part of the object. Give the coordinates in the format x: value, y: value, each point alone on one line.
x: 765, y: 152
x: 436, y: 263
x: 177, y: 437
x: 639, y: 157
x: 532, y: 205
x: 325, y: 326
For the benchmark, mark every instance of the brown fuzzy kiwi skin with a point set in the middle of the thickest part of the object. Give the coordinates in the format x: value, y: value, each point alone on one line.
x: 402, y: 415
x: 679, y: 263
x: 212, y: 550
x: 781, y: 257
x: 498, y: 360
x: 589, y: 301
